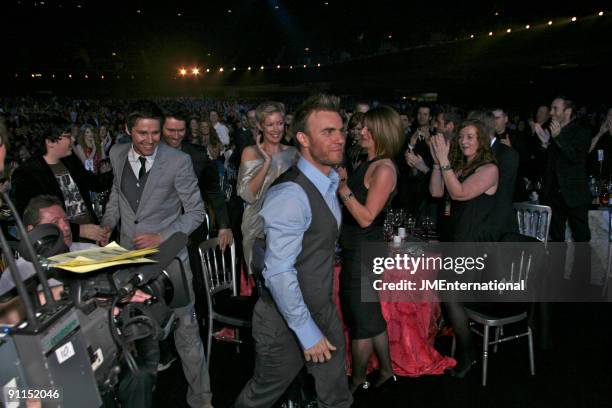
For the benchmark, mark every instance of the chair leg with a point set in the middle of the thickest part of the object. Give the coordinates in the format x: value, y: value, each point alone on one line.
x: 237, y: 339
x: 498, y: 331
x: 531, y: 356
x: 485, y: 354
x: 209, y: 343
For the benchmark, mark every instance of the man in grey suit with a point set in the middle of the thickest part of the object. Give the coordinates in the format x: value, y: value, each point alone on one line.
x: 155, y: 194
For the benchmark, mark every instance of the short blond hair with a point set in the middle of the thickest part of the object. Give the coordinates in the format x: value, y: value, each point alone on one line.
x: 385, y: 125
x: 266, y: 109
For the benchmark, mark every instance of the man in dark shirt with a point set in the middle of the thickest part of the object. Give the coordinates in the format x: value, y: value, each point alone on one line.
x: 59, y: 173
x: 565, y: 187
x: 173, y: 131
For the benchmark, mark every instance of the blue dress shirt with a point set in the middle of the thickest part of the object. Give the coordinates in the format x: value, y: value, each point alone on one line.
x: 286, y: 216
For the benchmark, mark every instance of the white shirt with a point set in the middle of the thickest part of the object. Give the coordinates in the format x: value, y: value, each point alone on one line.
x: 223, y: 133
x: 135, y: 163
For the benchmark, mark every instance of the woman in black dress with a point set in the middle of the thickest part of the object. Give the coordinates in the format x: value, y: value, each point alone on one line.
x: 366, y: 196
x: 470, y: 177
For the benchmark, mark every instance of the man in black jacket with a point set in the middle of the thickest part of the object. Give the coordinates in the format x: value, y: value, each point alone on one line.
x: 173, y: 131
x: 565, y: 186
x: 59, y: 173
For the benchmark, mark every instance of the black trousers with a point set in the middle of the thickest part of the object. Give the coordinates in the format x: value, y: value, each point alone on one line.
x: 279, y: 358
x: 578, y: 219
x: 136, y: 391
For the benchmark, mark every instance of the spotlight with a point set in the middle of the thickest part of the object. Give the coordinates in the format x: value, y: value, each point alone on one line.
x: 195, y: 71
x: 182, y: 71
x: 319, y: 65
x: 490, y: 33
x: 472, y: 36
x: 207, y: 69
x: 550, y: 23
x: 601, y: 13
x: 70, y: 76
x: 527, y: 26
x: 509, y: 30
x: 86, y: 76
x: 290, y: 66
x: 262, y: 67
x: 101, y: 76
x: 573, y: 19
x: 304, y: 65
x: 249, y: 68
x: 278, y: 67
x: 233, y: 69
x: 221, y: 69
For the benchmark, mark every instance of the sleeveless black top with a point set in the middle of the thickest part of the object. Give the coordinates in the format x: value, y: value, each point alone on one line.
x: 352, y: 233
x: 471, y: 220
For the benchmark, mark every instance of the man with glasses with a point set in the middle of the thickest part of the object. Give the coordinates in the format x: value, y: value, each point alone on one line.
x: 57, y: 172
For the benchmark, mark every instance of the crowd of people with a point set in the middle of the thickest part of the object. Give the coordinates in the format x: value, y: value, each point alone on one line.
x: 301, y: 177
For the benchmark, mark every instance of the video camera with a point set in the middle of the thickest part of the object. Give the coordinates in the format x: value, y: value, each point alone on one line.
x: 75, y: 346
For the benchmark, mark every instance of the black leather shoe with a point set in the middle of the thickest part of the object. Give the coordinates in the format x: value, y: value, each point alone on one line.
x: 463, y: 370
x: 363, y: 390
x: 388, y: 384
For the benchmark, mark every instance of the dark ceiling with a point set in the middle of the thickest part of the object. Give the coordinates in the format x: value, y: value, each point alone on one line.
x: 409, y: 43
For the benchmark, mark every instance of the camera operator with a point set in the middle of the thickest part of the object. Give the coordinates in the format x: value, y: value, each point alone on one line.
x: 134, y: 390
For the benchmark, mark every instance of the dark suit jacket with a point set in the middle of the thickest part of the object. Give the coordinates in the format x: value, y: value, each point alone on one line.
x: 35, y: 177
x: 208, y: 181
x: 242, y: 139
x: 504, y: 220
x: 567, y: 157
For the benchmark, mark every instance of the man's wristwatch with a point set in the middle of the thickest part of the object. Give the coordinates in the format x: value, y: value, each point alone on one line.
x: 446, y: 167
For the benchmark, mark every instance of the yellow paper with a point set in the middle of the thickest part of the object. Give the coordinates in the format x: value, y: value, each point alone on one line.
x: 98, y: 258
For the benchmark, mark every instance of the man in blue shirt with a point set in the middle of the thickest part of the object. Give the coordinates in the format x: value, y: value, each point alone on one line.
x: 295, y: 321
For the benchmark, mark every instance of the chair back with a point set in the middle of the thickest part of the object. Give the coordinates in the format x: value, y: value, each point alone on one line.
x: 533, y: 220
x: 521, y: 260
x: 218, y: 268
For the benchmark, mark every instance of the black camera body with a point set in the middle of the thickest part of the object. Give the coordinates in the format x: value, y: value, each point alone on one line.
x: 77, y: 344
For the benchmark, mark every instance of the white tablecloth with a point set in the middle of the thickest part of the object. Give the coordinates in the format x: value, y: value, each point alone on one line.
x: 601, y: 248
